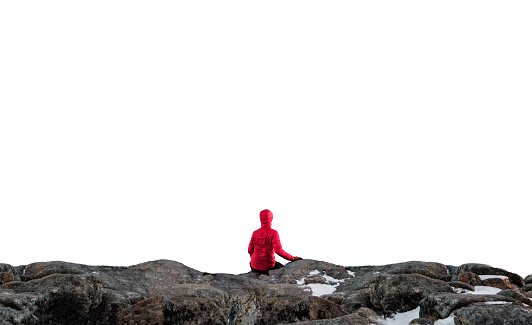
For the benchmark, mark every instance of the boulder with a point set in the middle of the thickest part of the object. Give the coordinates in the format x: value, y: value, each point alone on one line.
x: 363, y: 316
x: 392, y: 293
x: 314, y: 308
x: 528, y: 279
x: 461, y: 285
x: 440, y: 305
x: 469, y: 278
x: 8, y: 273
x: 526, y: 288
x: 429, y: 269
x: 484, y: 269
x: 421, y: 321
x: 516, y: 296
x: 507, y: 314
x: 358, y: 299
x: 168, y: 292
x: 300, y: 269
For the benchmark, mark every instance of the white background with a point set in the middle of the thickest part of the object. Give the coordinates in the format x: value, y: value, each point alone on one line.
x: 376, y: 131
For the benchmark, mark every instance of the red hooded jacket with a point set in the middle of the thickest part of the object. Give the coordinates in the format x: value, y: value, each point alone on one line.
x: 264, y: 243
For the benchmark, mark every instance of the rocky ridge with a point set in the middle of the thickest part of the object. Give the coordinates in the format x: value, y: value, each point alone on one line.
x: 303, y: 292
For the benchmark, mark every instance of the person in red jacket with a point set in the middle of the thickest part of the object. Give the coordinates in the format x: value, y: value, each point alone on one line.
x: 264, y: 243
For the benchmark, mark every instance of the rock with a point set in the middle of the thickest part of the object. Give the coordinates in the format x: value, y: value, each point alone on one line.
x: 507, y: 314
x: 358, y: 299
x: 484, y: 269
x: 440, y: 305
x: 40, y: 270
x: 6, y: 277
x: 392, y: 293
x: 167, y: 292
x: 363, y: 316
x: 337, y: 298
x: 528, y: 279
x: 7, y: 273
x: 421, y: 321
x: 526, y: 288
x: 461, y: 285
x: 314, y: 308
x: 297, y: 270
x: 502, y: 284
x: 469, y: 278
x: 429, y: 269
x: 515, y: 295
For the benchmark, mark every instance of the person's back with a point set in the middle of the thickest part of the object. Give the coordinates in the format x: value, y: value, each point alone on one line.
x: 264, y: 244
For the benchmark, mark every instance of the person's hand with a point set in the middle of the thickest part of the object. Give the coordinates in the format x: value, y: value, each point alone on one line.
x: 296, y: 258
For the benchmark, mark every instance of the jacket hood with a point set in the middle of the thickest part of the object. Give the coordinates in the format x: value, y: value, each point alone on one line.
x: 266, y: 217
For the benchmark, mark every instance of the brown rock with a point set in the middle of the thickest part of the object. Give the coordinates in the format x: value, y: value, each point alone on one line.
x: 314, y: 308
x: 6, y: 277
x: 392, y: 293
x: 470, y: 278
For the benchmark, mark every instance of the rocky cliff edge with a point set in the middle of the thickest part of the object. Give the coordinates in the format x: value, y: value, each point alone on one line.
x: 303, y: 292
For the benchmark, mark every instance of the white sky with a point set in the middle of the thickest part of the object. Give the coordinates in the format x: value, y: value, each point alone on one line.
x: 376, y: 131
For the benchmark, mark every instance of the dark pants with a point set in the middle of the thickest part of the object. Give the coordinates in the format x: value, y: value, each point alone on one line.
x: 267, y: 272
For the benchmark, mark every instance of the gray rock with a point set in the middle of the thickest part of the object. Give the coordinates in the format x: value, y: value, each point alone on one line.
x: 392, y: 293
x: 429, y: 269
x: 297, y: 270
x: 526, y: 288
x: 507, y: 314
x: 363, y: 316
x: 528, y: 279
x: 168, y: 292
x: 315, y: 308
x: 421, y: 321
x: 484, y: 269
x: 462, y: 285
x: 358, y: 299
x: 502, y: 284
x: 516, y: 296
x: 8, y: 273
x: 440, y: 305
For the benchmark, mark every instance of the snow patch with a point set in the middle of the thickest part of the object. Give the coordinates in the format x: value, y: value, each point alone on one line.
x: 483, y: 290
x: 351, y: 273
x: 402, y: 318
x: 446, y: 321
x: 487, y: 276
x: 497, y: 303
x: 406, y: 317
x: 320, y: 289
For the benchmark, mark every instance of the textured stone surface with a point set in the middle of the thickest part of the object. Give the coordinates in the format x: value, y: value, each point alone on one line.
x: 168, y: 292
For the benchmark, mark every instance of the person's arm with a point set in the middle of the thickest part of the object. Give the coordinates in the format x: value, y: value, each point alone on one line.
x: 251, y: 247
x: 278, y: 248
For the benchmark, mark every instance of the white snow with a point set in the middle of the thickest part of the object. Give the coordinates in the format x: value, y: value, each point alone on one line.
x: 320, y: 289
x: 487, y: 276
x: 403, y: 318
x: 351, y: 273
x: 483, y: 290
x: 446, y: 321
x: 497, y: 303
x: 406, y: 317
